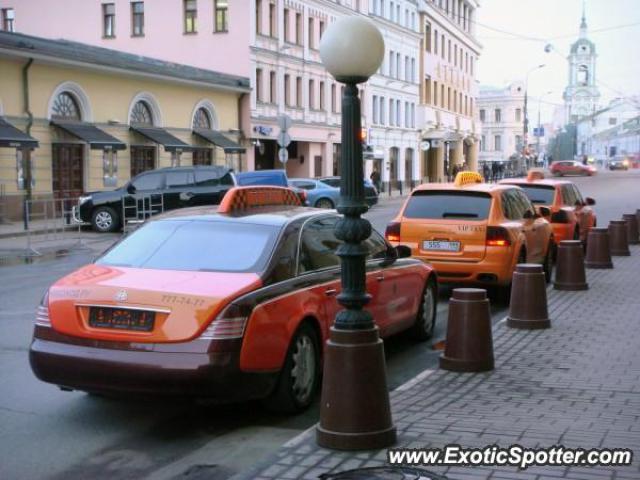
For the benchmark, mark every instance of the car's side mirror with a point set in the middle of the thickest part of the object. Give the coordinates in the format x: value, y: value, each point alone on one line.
x: 131, y: 188
x: 544, y: 211
x: 579, y: 204
x: 528, y: 215
x: 402, y: 251
x: 590, y: 201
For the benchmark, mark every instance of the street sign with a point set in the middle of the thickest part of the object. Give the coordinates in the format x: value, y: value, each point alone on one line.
x: 284, y: 139
x: 283, y: 155
x: 538, y: 132
x: 425, y: 145
x: 284, y: 122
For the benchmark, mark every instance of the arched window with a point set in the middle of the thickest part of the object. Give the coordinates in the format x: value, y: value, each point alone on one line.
x: 583, y: 75
x: 141, y: 114
x: 202, y: 119
x: 65, y: 106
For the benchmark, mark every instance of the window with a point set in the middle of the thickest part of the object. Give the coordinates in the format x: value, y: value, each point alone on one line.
x: 259, y: 84
x: 321, y: 29
x: 382, y: 112
x: 442, y: 99
x: 398, y: 65
x: 273, y: 87
x: 498, y: 115
x: 299, y: 92
x: 455, y: 55
x: 407, y: 69
x: 483, y: 143
x: 286, y: 35
x: 518, y: 114
x: 179, y: 178
x: 482, y: 114
x: 318, y: 246
x: 398, y: 116
x: 435, y: 42
x: 613, y: 120
x: 65, y: 106
x: 108, y: 20
x: 497, y: 143
x: 334, y: 100
x: 392, y: 61
x: 413, y: 115
x: 374, y: 109
x: 8, y: 18
x: 540, y: 194
x: 407, y: 114
x: 449, y: 51
x: 392, y: 11
x: 413, y: 70
x: 190, y: 16
x: 442, y: 46
x: 427, y: 90
x: 201, y: 119
x: 427, y: 37
x: 518, y: 140
x: 141, y: 114
x: 150, y: 181
x: 273, y: 25
x: 311, y: 33
x: 298, y: 28
x: 258, y: 16
x: 221, y: 12
x: 322, y: 103
x: 287, y: 89
x: 434, y: 204
x: 312, y: 94
x: 137, y: 19
x: 392, y: 112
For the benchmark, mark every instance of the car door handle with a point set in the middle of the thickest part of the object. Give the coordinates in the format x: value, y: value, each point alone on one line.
x: 186, y: 195
x: 380, y: 278
x: 330, y: 292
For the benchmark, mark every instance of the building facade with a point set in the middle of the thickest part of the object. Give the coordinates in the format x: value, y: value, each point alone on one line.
x: 502, y: 116
x: 77, y: 118
x: 447, y: 114
x: 581, y: 96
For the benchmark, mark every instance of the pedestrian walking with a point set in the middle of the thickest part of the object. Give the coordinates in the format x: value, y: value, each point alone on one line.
x: 375, y: 178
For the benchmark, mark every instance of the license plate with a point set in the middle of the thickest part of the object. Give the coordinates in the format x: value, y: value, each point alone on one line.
x: 121, y: 319
x: 441, y: 245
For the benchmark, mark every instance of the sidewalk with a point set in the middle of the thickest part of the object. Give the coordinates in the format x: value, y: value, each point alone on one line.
x: 576, y: 384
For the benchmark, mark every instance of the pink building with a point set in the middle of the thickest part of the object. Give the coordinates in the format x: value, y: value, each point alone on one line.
x: 273, y: 42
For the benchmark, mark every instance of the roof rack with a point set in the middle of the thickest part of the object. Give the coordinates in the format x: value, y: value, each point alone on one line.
x: 240, y: 199
x: 467, y: 178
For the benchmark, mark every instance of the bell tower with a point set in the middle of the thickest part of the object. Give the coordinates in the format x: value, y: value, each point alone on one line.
x: 581, y: 95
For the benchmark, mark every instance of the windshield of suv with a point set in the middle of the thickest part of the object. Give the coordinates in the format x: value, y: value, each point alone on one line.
x: 442, y: 204
x: 196, y: 246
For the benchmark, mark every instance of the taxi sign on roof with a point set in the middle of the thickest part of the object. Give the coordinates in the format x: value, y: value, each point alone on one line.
x: 243, y: 198
x: 535, y: 174
x: 467, y: 178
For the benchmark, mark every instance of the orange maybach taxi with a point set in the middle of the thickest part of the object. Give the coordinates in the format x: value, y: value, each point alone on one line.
x: 473, y: 232
x: 571, y: 216
x: 230, y: 303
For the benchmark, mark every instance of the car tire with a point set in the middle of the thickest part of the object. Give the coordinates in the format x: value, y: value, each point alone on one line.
x: 504, y: 291
x: 548, y: 262
x: 324, y: 203
x: 105, y: 219
x: 425, y: 323
x: 300, y: 375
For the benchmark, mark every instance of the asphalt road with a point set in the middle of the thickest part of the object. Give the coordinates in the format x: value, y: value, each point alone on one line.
x: 49, y: 434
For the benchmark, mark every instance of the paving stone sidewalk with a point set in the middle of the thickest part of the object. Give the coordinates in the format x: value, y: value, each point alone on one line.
x: 576, y: 384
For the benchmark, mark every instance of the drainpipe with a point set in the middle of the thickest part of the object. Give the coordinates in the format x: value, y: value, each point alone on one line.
x: 241, y: 137
x: 27, y: 110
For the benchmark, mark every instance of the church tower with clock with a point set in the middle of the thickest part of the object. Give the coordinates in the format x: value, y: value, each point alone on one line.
x: 581, y: 95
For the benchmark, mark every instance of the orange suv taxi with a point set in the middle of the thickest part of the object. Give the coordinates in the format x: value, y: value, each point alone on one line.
x: 570, y: 214
x: 473, y: 232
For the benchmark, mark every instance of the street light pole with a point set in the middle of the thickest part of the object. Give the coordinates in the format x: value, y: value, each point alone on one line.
x: 525, y: 132
x: 355, y: 412
x: 539, y: 125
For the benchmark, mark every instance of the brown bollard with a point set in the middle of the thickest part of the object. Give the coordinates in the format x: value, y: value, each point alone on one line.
x: 469, y: 345
x: 598, y: 252
x: 638, y: 215
x: 618, y: 238
x: 570, y: 273
x: 632, y: 228
x: 528, y: 306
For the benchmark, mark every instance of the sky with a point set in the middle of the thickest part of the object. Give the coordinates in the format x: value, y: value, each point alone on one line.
x: 532, y: 24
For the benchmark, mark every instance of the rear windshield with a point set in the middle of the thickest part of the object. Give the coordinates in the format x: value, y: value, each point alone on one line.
x: 539, y: 194
x: 195, y: 246
x: 437, y: 204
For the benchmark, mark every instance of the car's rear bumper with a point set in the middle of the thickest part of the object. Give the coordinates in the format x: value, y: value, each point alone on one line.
x: 201, y: 373
x: 494, y: 269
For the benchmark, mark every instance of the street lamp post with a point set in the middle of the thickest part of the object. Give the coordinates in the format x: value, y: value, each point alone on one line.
x: 539, y: 125
x: 525, y: 132
x: 354, y: 411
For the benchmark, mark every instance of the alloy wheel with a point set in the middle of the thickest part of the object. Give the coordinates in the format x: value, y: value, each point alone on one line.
x: 104, y: 221
x: 303, y: 369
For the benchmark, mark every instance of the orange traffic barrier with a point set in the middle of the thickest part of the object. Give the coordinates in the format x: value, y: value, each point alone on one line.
x: 570, y: 272
x: 598, y: 250
x: 619, y: 241
x: 528, y: 306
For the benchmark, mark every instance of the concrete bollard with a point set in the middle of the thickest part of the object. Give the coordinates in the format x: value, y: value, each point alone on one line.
x: 469, y: 345
x: 632, y: 228
x: 570, y: 273
x: 528, y: 306
x: 618, y: 238
x: 598, y: 250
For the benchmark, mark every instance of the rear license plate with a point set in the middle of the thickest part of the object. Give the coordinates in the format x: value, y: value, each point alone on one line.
x: 441, y: 246
x: 121, y: 319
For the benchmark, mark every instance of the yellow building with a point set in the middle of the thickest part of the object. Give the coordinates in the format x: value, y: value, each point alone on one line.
x: 77, y: 118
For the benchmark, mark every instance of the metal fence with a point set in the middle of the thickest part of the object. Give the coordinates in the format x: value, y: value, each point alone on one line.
x: 136, y: 209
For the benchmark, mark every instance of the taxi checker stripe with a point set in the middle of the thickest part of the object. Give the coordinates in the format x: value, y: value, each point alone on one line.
x: 243, y: 198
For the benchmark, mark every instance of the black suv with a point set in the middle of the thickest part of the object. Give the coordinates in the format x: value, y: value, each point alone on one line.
x: 172, y: 188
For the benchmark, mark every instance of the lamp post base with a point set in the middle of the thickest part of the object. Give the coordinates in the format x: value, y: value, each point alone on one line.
x: 354, y: 412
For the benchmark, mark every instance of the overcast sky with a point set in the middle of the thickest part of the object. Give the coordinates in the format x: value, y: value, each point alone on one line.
x: 531, y: 24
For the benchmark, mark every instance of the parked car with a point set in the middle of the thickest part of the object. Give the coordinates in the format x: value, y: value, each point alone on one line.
x: 231, y: 304
x: 174, y: 187
x: 370, y: 191
x: 571, y: 167
x: 319, y: 193
x: 620, y: 162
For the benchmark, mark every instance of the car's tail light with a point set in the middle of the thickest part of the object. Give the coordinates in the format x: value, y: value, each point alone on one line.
x: 498, y: 237
x: 42, y: 312
x: 560, y: 216
x: 230, y: 323
x: 392, y: 233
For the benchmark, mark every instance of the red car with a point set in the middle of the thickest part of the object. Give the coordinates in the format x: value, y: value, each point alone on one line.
x: 571, y: 167
x: 229, y: 303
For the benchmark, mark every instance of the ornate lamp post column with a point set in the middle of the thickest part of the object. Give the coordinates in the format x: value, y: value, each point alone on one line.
x: 354, y: 411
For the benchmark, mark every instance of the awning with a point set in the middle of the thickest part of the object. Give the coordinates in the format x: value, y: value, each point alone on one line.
x: 220, y: 140
x: 162, y: 137
x: 96, y: 138
x: 10, y: 136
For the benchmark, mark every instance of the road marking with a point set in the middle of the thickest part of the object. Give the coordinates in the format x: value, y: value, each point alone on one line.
x: 418, y: 378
